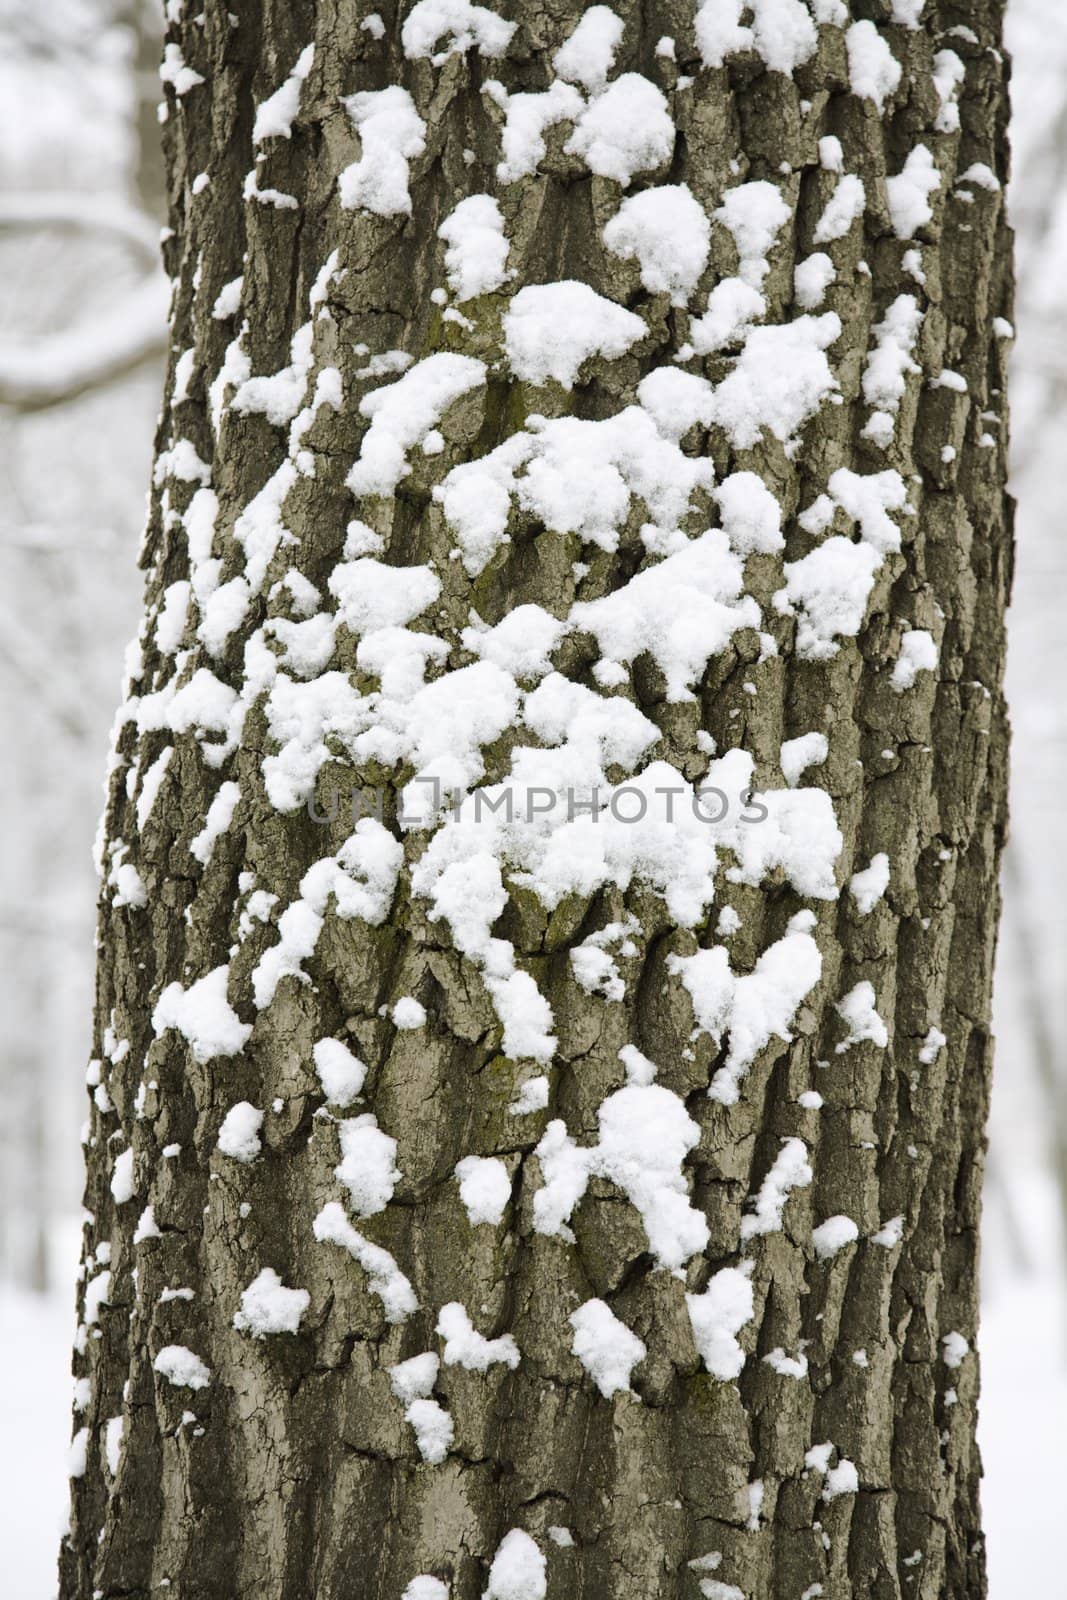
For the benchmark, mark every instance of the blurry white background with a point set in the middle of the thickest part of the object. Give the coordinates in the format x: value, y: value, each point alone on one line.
x: 78, y: 139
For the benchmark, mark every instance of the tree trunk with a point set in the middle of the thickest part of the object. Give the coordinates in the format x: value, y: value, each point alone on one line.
x: 697, y: 1313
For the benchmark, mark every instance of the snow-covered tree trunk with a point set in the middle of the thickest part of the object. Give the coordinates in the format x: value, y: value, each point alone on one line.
x: 555, y: 1170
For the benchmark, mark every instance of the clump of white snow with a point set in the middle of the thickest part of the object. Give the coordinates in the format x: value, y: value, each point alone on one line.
x: 425, y: 1587
x: 918, y: 653
x: 606, y: 1347
x: 528, y: 118
x: 717, y: 1317
x: 408, y: 1013
x: 412, y: 1382
x: 833, y: 1235
x: 625, y: 130
x: 484, y: 1188
x: 477, y: 247
x: 122, y: 1185
x: 466, y: 1347
x: 666, y: 230
x: 274, y: 116
x: 203, y: 1016
x: 589, y: 54
x: 844, y: 207
x: 181, y: 1367
x: 341, y: 1073
x: 868, y: 887
x: 518, y: 1571
x: 551, y: 328
x: 392, y: 134
x: 267, y: 1306
x: 386, y: 1280
x: 467, y: 26
x: 645, y: 1135
x: 873, y: 70
x: 239, y: 1133
x: 953, y: 1348
x: 403, y: 413
x: 797, y: 755
x: 864, y: 1024
x: 791, y: 1170
x: 908, y: 193
x: 368, y: 1164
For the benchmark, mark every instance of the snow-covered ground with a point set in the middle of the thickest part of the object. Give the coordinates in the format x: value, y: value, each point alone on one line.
x: 1022, y: 1421
x: 35, y: 1339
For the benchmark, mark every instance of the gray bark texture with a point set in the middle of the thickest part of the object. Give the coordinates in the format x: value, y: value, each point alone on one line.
x: 291, y: 1469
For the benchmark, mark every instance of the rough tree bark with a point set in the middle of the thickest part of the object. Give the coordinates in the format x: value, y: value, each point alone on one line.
x: 796, y: 1250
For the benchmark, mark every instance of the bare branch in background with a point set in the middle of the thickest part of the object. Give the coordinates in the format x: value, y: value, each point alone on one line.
x: 51, y: 369
x: 91, y: 213
x: 1039, y: 996
x: 57, y: 368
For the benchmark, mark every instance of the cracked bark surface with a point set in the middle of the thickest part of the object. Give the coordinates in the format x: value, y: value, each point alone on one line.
x: 298, y: 1476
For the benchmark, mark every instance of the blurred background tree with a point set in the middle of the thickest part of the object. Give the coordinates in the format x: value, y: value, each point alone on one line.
x: 81, y: 342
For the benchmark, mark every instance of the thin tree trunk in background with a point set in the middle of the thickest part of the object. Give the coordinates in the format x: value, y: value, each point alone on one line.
x: 1047, y: 1050
x: 304, y: 1027
x: 144, y: 20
